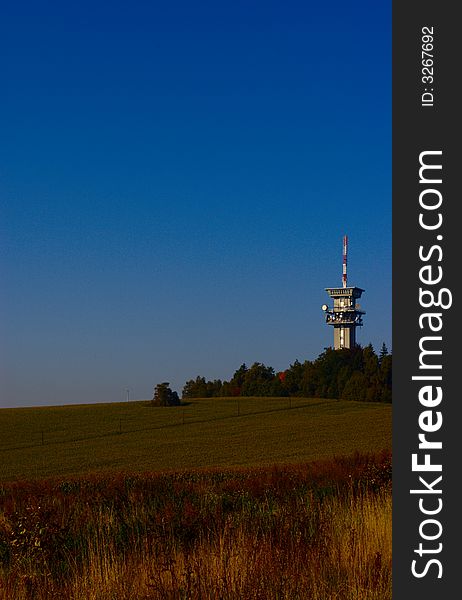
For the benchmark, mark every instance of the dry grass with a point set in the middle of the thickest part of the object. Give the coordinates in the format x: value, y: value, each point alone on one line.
x: 319, y: 531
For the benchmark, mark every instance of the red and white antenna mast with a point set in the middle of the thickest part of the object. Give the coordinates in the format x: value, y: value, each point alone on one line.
x: 345, y: 252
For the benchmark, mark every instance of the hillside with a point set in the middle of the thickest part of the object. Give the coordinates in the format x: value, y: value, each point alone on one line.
x: 135, y: 437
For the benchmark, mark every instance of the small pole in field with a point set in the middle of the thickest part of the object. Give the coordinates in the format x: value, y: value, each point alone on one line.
x: 120, y: 426
x: 42, y: 439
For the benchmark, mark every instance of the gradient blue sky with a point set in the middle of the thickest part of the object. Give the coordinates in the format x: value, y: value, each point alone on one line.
x: 175, y: 182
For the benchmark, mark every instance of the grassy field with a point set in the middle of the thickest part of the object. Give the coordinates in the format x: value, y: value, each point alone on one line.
x: 318, y: 531
x: 227, y: 432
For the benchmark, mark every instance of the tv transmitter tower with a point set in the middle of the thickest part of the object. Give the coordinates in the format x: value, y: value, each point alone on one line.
x: 345, y: 315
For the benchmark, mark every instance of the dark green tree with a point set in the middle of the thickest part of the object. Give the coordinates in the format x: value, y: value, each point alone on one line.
x: 371, y: 372
x: 383, y: 353
x: 235, y: 385
x: 195, y: 388
x: 356, y: 387
x: 259, y: 380
x: 164, y: 396
x: 385, y: 378
x: 200, y: 388
x: 214, y: 388
x: 292, y: 378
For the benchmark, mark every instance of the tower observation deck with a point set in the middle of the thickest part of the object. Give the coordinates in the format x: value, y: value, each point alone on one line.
x: 345, y: 315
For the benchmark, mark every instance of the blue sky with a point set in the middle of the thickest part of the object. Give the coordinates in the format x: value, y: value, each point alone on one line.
x: 175, y: 182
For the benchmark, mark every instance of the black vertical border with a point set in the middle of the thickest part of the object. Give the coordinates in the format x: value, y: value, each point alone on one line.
x: 416, y: 129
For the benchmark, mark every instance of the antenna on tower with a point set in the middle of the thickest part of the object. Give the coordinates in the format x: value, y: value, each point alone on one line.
x: 345, y: 252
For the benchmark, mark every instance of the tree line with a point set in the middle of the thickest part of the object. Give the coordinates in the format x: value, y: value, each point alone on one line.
x: 348, y: 374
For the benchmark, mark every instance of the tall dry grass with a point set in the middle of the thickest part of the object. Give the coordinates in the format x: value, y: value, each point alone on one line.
x: 319, y: 531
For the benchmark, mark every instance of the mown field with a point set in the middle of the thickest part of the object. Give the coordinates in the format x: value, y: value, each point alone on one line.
x: 217, y: 432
